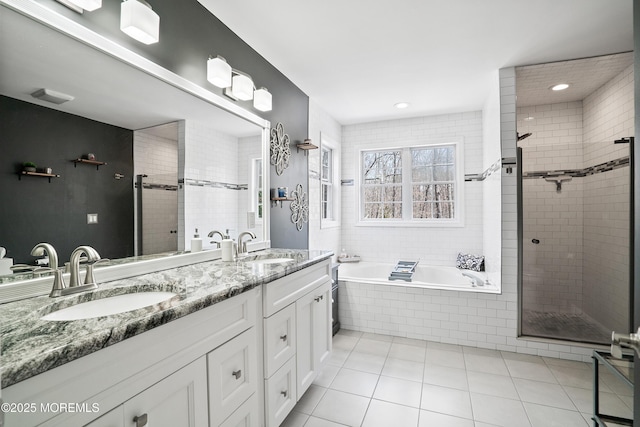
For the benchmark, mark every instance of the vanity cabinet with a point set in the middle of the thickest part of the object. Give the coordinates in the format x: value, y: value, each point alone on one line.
x: 178, y: 400
x: 297, y: 337
x: 198, y: 370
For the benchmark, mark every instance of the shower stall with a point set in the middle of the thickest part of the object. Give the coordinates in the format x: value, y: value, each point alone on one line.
x: 575, y: 187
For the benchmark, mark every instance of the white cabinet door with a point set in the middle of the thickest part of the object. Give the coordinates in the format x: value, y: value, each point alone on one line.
x: 281, y: 394
x: 113, y: 418
x: 232, y: 372
x: 178, y: 400
x: 313, y: 314
x: 279, y: 339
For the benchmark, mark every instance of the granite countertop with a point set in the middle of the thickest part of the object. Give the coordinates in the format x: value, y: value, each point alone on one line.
x: 30, y: 345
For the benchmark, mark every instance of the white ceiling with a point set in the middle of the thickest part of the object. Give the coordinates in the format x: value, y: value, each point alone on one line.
x: 357, y: 58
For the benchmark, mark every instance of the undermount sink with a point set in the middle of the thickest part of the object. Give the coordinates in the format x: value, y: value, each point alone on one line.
x: 110, y: 305
x: 271, y: 260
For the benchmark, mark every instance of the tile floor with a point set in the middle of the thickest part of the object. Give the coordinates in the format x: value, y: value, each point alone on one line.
x: 382, y: 381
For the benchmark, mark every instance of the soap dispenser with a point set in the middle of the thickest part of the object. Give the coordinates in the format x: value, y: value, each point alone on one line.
x: 227, y: 247
x: 196, y: 242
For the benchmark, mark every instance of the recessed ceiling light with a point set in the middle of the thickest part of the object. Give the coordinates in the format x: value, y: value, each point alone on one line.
x: 560, y: 86
x: 401, y: 105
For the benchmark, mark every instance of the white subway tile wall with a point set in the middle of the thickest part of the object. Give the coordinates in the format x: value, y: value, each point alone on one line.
x: 432, y: 245
x: 157, y: 157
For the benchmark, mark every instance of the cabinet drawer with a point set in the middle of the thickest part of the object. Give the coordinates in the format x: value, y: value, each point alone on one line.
x: 247, y: 415
x: 282, y: 292
x: 279, y: 339
x: 232, y: 371
x: 280, y: 392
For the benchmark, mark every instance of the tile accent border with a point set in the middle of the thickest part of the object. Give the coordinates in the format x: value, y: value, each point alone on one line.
x: 579, y: 173
x: 213, y: 184
x: 486, y: 174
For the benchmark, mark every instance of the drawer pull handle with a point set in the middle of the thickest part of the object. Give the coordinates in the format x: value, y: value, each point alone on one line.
x: 284, y: 393
x: 140, y: 421
x: 283, y: 337
x: 318, y: 298
x: 237, y: 373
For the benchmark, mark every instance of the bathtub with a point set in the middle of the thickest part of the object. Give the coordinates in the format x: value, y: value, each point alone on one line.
x: 425, y: 276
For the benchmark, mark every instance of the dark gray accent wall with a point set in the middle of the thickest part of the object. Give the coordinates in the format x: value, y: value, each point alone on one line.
x: 189, y: 34
x: 35, y: 210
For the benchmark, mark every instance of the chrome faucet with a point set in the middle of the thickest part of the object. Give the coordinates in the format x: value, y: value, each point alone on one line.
x: 92, y: 257
x: 214, y: 232
x: 58, y: 281
x: 242, y: 246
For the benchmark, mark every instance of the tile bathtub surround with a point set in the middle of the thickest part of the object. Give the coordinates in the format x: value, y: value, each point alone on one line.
x: 450, y: 386
x: 31, y: 346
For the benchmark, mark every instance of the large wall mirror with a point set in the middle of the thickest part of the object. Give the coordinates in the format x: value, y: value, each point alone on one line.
x: 178, y: 157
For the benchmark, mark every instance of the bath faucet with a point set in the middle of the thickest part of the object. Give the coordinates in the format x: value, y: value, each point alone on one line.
x: 92, y: 257
x: 476, y: 279
x: 242, y: 246
x: 214, y: 232
x: 58, y: 281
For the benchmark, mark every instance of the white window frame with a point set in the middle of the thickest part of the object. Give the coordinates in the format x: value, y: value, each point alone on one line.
x: 407, y: 220
x: 328, y: 144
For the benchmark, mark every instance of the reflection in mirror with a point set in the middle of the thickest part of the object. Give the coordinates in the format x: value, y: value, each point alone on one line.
x: 203, y: 165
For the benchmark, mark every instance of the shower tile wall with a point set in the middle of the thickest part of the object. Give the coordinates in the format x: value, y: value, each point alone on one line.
x: 203, y: 162
x: 157, y: 157
x: 581, y: 264
x: 552, y: 279
x: 608, y: 115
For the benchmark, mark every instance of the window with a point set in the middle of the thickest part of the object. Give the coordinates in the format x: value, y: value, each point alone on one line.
x: 412, y: 184
x: 326, y: 183
x: 329, y: 183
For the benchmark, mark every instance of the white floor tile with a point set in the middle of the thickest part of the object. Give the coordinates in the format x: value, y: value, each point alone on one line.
x: 396, y: 390
x: 404, y: 369
x: 574, y: 377
x: 446, y: 401
x: 310, y: 399
x: 544, y: 394
x: 444, y: 346
x: 356, y: 382
x: 326, y: 375
x: 446, y: 377
x: 490, y: 364
x: 499, y: 411
x: 530, y: 370
x: 546, y: 416
x: 319, y: 422
x: 434, y: 419
x: 610, y: 403
x: 385, y: 414
x: 451, y: 359
x: 342, y: 408
x: 365, y: 362
x: 407, y: 352
x: 295, y: 419
x: 410, y: 341
x: 372, y: 346
x: 344, y: 342
x: 492, y: 384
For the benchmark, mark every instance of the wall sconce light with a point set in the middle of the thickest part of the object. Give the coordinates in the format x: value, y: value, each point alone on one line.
x: 236, y: 84
x: 262, y: 99
x: 219, y: 72
x: 139, y: 21
x: 52, y: 96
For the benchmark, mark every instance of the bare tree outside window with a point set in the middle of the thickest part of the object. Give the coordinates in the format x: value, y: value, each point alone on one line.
x: 430, y: 187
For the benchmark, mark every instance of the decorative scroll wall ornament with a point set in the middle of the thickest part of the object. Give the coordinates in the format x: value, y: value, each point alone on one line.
x: 280, y: 150
x: 299, y: 207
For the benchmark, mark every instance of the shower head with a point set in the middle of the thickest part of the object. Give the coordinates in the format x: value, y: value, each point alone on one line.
x: 525, y: 136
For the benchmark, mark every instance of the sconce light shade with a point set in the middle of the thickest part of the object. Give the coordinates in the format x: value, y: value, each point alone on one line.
x: 219, y: 72
x: 89, y: 5
x: 242, y: 87
x: 139, y: 21
x: 262, y: 99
